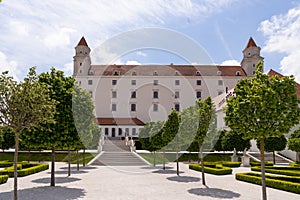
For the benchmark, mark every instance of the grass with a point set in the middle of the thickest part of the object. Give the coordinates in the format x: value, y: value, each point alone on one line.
x: 46, y: 156
x: 171, y: 157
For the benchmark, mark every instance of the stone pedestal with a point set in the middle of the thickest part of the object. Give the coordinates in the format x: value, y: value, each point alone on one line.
x: 245, y: 161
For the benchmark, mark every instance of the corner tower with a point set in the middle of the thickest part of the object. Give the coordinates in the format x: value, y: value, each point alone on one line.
x: 81, y: 60
x: 251, y: 56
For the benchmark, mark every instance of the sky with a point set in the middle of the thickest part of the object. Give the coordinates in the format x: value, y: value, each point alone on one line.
x: 44, y: 33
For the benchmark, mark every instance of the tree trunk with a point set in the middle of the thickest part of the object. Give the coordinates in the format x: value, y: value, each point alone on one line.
x: 39, y: 157
x: 154, y: 159
x: 263, y: 176
x: 28, y: 156
x: 83, y: 161
x: 177, y: 157
x: 69, y: 162
x: 202, y: 163
x: 52, y: 167
x: 274, y: 158
x: 16, y: 166
x: 77, y: 160
x: 190, y: 156
x: 164, y: 165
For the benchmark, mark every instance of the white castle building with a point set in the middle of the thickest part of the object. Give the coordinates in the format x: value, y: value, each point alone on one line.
x: 128, y: 96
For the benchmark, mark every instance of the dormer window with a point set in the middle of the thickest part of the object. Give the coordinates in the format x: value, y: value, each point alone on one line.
x: 237, y: 73
x: 219, y: 73
x: 90, y: 72
x: 155, y: 73
x: 198, y: 73
x: 176, y: 73
x: 116, y: 73
x: 133, y: 73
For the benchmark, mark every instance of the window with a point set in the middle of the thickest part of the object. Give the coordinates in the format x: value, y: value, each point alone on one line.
x: 219, y: 73
x: 133, y: 73
x: 177, y: 82
x: 133, y: 131
x: 176, y: 73
x: 90, y: 72
x: 116, y: 73
x: 133, y: 82
x: 80, y: 64
x: 237, y: 73
x: 114, y: 94
x: 198, y: 82
x: 177, y: 107
x: 126, y: 131
x: 220, y: 82
x: 226, y: 90
x: 155, y: 107
x: 133, y: 94
x: 155, y: 73
x: 106, y: 131
x: 155, y: 82
x: 133, y: 107
x: 155, y: 94
x: 114, y: 107
x: 176, y: 95
x: 120, y: 131
x: 253, y: 65
x: 90, y: 82
x: 198, y: 94
x: 198, y: 73
x: 114, y: 82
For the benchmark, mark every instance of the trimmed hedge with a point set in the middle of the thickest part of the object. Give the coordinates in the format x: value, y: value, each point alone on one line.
x: 292, y: 164
x: 231, y: 164
x: 26, y: 170
x: 253, y: 164
x: 5, y: 163
x: 218, y: 169
x: 3, y: 179
x: 290, y: 184
x: 289, y: 171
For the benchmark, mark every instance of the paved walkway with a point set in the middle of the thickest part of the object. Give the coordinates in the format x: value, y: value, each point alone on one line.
x: 136, y: 183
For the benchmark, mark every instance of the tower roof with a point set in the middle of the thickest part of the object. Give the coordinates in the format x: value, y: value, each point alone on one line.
x: 251, y: 43
x: 82, y: 42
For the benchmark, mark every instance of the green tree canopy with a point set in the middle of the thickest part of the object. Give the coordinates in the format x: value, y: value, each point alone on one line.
x: 7, y: 139
x: 263, y: 107
x: 294, y: 143
x: 233, y: 140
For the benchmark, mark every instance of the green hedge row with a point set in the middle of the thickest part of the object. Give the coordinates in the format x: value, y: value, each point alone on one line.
x: 218, y: 169
x: 35, y: 168
x: 292, y: 164
x: 253, y: 164
x: 231, y: 164
x: 290, y: 184
x: 289, y: 171
x: 3, y: 179
x: 5, y: 163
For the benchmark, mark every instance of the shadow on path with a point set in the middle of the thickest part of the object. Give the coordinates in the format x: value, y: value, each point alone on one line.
x: 184, y: 179
x: 57, y: 180
x: 161, y: 171
x: 214, y: 192
x: 45, y: 193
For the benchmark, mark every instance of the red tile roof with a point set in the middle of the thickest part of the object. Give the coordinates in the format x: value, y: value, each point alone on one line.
x: 168, y: 70
x: 82, y: 42
x: 120, y: 121
x: 251, y: 43
x: 274, y: 73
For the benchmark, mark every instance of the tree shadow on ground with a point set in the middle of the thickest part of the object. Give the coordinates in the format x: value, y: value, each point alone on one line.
x: 167, y: 171
x: 82, y: 170
x: 75, y: 168
x: 214, y: 192
x: 184, y: 179
x: 45, y: 193
x: 57, y: 180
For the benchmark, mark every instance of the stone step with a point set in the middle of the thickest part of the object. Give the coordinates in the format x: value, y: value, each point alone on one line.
x: 269, y: 157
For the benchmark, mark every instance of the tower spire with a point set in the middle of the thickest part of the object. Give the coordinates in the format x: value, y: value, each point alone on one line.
x: 82, y: 42
x: 251, y: 43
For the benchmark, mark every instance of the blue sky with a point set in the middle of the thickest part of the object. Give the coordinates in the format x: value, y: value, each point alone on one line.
x: 44, y: 33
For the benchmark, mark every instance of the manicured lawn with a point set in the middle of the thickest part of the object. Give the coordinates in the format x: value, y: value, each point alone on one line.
x: 45, y: 156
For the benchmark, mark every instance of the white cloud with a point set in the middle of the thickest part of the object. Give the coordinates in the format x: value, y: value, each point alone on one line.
x: 10, y: 66
x: 283, y: 36
x: 231, y: 63
x: 132, y: 62
x: 67, y: 69
x: 139, y: 53
x: 58, y: 38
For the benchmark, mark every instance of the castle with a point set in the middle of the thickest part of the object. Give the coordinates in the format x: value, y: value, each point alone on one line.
x: 128, y: 96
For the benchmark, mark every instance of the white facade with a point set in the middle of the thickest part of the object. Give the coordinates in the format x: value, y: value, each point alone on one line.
x: 150, y: 92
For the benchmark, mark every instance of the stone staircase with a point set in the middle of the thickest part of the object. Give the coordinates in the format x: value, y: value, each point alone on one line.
x: 116, y: 153
x: 269, y: 157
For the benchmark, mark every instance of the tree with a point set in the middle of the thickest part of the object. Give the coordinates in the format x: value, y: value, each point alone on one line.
x: 206, y: 116
x: 156, y: 136
x: 232, y: 140
x: 294, y: 143
x: 170, y: 132
x: 145, y: 139
x: 7, y: 138
x: 263, y: 107
x: 24, y: 105
x: 273, y: 144
x: 218, y: 146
